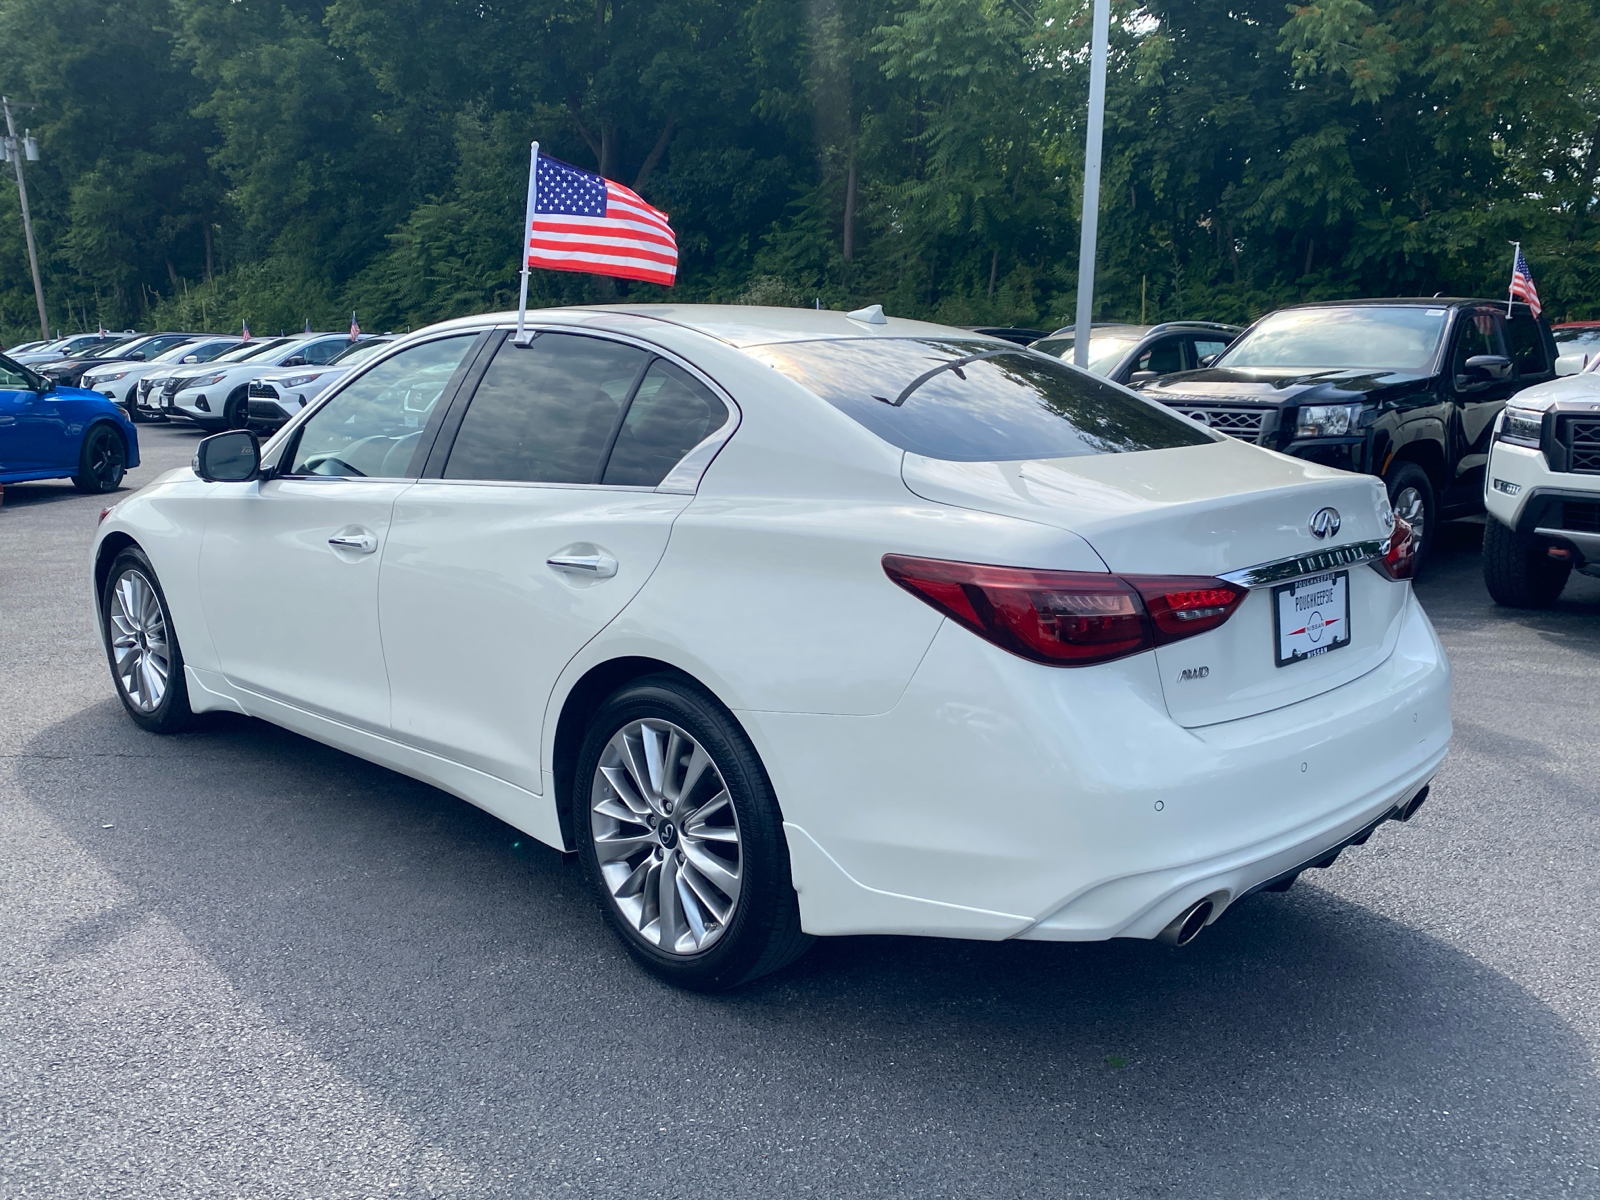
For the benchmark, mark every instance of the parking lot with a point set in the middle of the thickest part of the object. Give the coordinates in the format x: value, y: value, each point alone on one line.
x: 239, y: 963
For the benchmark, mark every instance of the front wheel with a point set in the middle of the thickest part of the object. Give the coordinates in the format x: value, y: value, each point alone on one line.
x: 102, y: 460
x: 1411, y: 497
x: 142, y: 646
x: 236, y: 412
x: 131, y: 407
x: 681, y: 838
x: 1517, y: 570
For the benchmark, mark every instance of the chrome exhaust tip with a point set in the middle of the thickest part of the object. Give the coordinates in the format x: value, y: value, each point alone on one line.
x: 1186, y: 926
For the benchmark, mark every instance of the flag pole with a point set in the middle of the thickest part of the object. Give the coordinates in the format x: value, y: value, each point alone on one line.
x: 1511, y: 289
x: 1091, y: 183
x: 527, y: 232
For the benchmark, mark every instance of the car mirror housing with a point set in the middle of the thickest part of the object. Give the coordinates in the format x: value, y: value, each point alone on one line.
x: 294, y: 360
x: 1207, y: 359
x: 1487, y: 367
x: 231, y: 457
x: 1139, y: 377
x: 191, y: 358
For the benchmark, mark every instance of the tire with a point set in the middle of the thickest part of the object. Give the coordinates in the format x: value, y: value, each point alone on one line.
x: 1517, y: 571
x: 131, y: 407
x: 633, y: 835
x: 142, y: 646
x: 102, y: 460
x: 1411, y: 494
x: 235, y: 410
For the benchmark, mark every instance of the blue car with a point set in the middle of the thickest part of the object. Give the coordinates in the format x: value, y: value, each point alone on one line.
x: 50, y: 432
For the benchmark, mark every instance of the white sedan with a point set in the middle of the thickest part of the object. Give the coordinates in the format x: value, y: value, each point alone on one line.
x: 793, y: 623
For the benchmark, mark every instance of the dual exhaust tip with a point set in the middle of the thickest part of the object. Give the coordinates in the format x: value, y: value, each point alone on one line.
x: 1186, y: 926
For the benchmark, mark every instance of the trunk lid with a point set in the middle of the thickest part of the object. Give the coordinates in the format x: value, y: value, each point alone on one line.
x: 1206, y: 510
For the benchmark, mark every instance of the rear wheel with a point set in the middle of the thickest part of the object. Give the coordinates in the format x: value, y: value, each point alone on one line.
x: 1517, y: 570
x: 142, y: 646
x: 235, y: 413
x: 1411, y: 497
x: 681, y: 838
x: 102, y: 460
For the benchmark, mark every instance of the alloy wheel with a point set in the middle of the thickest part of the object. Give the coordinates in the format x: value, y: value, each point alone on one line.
x: 139, y: 650
x: 107, y: 461
x: 666, y: 836
x: 1413, y: 510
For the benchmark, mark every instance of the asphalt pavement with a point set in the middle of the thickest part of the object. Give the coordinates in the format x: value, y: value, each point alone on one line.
x: 238, y: 963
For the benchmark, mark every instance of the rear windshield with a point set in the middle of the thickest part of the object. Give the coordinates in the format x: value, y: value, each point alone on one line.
x: 1015, y: 405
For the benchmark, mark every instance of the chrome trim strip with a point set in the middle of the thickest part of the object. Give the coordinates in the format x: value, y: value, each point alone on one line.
x: 1588, y: 542
x: 1283, y: 569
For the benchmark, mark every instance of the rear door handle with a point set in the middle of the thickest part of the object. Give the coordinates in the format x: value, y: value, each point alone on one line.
x: 595, y: 566
x: 360, y: 541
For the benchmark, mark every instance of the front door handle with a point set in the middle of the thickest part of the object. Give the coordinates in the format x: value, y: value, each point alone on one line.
x: 594, y: 566
x: 358, y: 540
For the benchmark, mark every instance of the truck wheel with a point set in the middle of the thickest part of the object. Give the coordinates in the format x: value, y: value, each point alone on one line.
x: 1518, y: 572
x: 1411, y: 496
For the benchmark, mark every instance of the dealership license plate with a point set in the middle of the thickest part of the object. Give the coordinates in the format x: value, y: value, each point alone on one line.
x: 1311, y: 616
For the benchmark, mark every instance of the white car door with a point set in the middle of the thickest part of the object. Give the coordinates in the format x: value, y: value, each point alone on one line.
x: 289, y: 566
x: 542, y: 523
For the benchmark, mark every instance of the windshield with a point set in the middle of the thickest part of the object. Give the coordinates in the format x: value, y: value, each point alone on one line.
x: 250, y: 350
x: 360, y: 352
x: 1014, y: 405
x: 202, y: 351
x: 116, y: 345
x: 1399, y: 338
x: 1105, y: 350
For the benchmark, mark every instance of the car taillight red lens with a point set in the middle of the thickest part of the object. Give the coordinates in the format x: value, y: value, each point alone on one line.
x: 1401, y: 560
x: 1067, y: 618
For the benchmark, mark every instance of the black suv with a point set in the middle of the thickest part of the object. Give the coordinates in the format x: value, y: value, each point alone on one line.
x: 1405, y: 389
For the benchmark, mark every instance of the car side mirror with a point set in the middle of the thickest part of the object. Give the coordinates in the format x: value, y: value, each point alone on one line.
x: 137, y: 356
x: 1486, y: 368
x: 295, y: 360
x: 191, y: 358
x: 1207, y: 359
x: 231, y: 457
x: 1143, y: 377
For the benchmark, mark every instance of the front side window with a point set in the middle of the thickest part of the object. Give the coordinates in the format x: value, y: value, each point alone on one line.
x: 546, y: 412
x: 1163, y: 358
x: 13, y: 378
x: 1398, y: 338
x: 934, y: 398
x: 374, y: 427
x: 245, y: 351
x: 1207, y: 349
x: 1527, y: 346
x: 1478, y: 333
x: 317, y: 353
x: 671, y: 414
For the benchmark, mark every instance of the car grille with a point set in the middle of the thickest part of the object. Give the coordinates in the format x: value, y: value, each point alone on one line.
x: 1582, y: 438
x: 1580, y: 517
x: 265, y: 410
x: 169, y: 389
x: 1247, y: 424
x: 258, y: 388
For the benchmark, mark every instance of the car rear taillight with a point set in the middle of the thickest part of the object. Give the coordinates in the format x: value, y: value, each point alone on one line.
x: 1400, y: 562
x: 1067, y: 618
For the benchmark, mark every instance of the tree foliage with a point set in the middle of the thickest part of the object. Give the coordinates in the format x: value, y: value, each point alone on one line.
x: 207, y: 161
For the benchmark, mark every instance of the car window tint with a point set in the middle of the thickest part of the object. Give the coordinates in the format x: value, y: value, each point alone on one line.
x: 670, y: 415
x: 1476, y: 333
x: 1527, y: 346
x: 1016, y: 405
x: 545, y: 412
x: 373, y: 427
x: 1163, y: 357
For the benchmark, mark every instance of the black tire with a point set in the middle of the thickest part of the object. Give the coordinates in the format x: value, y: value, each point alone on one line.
x: 102, y: 460
x: 172, y: 713
x: 1408, y: 476
x: 131, y: 407
x: 1517, y: 571
x: 762, y: 932
x: 236, y: 409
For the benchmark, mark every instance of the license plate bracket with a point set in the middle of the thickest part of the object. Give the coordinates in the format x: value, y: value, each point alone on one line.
x: 1310, y: 617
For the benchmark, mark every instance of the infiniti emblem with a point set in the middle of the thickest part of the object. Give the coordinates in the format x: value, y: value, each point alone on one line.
x: 1325, y: 522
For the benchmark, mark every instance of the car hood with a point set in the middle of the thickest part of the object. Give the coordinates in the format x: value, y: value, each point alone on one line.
x: 1581, y: 389
x: 281, y: 373
x: 1285, y: 385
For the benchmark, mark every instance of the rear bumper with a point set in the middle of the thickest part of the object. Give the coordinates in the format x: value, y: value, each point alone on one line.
x: 1002, y: 799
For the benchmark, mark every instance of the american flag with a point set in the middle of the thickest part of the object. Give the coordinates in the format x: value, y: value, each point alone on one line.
x: 355, y: 329
x: 583, y: 222
x: 1522, y: 283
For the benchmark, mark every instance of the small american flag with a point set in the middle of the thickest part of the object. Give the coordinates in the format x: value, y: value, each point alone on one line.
x: 583, y: 222
x: 245, y: 325
x: 1522, y: 283
x: 355, y: 329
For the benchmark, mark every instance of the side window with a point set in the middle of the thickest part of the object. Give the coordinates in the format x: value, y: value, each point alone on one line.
x: 1205, y: 349
x: 545, y: 412
x: 1527, y: 347
x: 12, y: 378
x: 373, y: 427
x: 671, y: 414
x: 317, y: 353
x: 1476, y: 333
x: 1165, y: 356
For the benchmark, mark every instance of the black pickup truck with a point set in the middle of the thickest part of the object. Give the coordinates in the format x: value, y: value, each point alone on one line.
x: 1405, y: 389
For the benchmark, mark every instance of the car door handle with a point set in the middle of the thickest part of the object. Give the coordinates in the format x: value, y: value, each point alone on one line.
x: 362, y: 543
x: 595, y: 566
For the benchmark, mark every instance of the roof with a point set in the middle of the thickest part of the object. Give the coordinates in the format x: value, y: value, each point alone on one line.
x: 1404, y: 301
x: 1139, y: 331
x: 741, y: 325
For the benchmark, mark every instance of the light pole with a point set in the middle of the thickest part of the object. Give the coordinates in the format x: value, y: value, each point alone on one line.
x: 1091, y: 182
x: 16, y: 149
